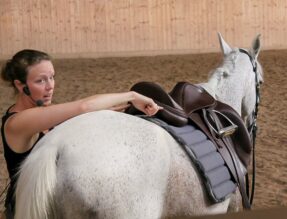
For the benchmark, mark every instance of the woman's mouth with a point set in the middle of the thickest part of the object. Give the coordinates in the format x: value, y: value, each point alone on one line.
x: 47, y: 97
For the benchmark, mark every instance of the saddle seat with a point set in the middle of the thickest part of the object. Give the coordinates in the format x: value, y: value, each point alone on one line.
x: 172, y: 112
x: 178, y: 104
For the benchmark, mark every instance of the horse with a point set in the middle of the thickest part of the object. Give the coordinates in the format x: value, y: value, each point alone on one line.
x: 109, y: 164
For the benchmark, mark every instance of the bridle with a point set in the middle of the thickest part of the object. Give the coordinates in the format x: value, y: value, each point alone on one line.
x: 252, y: 128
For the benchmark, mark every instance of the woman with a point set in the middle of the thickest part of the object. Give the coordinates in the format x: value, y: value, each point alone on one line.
x: 31, y: 73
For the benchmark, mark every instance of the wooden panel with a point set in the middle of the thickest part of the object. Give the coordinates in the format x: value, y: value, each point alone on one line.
x: 113, y: 27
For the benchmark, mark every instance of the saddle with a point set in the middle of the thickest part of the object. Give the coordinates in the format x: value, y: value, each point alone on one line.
x: 221, y: 123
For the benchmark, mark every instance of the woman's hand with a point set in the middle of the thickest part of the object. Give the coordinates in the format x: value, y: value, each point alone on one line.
x: 145, y: 104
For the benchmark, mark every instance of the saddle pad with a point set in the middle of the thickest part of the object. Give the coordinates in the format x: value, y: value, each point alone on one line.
x: 211, y: 166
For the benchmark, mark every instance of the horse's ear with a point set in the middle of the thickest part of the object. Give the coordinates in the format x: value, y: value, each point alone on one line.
x: 225, y: 48
x: 255, y: 49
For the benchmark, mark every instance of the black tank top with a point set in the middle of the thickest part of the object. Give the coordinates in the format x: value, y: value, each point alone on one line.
x: 13, y: 159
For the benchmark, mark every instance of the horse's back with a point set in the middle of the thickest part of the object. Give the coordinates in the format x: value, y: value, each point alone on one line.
x: 111, y: 165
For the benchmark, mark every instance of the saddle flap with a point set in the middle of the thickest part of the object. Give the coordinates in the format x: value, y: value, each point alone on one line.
x: 191, y: 97
x: 240, y: 138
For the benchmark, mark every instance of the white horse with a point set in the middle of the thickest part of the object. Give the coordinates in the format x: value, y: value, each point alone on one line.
x: 109, y: 165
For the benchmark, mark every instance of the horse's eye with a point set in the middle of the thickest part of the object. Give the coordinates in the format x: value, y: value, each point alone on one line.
x: 224, y: 74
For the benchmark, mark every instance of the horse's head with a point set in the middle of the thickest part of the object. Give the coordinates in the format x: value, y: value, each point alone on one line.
x: 236, y: 81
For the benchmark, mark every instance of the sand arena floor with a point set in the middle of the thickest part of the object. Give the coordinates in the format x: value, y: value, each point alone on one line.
x: 78, y: 78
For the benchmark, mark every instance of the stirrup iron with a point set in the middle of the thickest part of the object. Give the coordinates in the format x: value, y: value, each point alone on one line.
x: 225, y: 131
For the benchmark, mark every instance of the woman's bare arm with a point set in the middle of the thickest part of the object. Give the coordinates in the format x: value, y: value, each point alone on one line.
x: 25, y: 124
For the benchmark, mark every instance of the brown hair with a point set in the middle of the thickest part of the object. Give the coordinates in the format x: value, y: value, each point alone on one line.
x: 16, y: 68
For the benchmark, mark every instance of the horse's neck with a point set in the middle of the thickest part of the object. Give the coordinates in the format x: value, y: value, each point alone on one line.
x: 224, y: 90
x: 210, y: 87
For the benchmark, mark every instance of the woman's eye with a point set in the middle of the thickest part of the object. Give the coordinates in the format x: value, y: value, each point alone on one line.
x: 41, y: 81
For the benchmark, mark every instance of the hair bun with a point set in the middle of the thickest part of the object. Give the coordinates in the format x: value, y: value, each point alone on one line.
x: 7, y: 72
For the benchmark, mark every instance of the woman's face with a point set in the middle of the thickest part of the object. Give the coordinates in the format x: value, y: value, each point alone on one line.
x: 40, y: 80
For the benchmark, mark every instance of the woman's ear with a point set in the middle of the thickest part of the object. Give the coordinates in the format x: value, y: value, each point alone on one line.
x: 19, y: 85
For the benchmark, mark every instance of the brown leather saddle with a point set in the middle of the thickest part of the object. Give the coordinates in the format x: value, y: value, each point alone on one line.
x: 221, y: 123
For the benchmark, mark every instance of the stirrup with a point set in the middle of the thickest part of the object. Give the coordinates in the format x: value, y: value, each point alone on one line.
x: 225, y: 131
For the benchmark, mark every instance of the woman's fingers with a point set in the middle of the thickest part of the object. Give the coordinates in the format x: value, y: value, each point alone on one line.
x: 145, y: 104
x: 153, y: 109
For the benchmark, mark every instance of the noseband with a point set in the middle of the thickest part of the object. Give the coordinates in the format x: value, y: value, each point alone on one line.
x: 252, y: 128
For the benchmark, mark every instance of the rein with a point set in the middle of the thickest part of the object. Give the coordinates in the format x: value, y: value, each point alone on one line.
x: 252, y: 128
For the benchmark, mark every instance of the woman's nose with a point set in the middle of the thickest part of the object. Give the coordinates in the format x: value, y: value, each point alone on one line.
x: 50, y: 84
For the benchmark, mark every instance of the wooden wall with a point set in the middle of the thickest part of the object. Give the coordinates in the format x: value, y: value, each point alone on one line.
x: 135, y: 27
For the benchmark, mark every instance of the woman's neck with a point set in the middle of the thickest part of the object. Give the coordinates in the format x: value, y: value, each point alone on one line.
x: 21, y: 104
